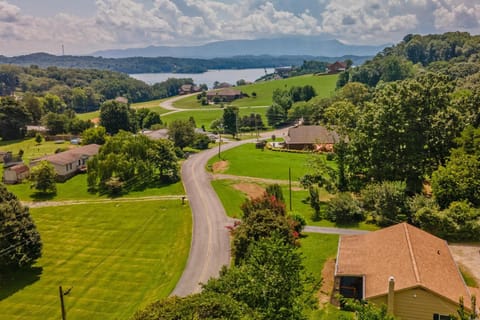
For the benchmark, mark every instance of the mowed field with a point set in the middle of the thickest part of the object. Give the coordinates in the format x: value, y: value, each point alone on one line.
x: 324, y: 86
x: 115, y: 257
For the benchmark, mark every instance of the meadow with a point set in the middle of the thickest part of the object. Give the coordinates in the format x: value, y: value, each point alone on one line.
x: 324, y: 85
x: 115, y: 257
x: 246, y: 160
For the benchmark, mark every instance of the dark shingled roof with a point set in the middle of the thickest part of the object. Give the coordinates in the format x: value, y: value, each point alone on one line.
x: 72, y: 155
x: 311, y: 135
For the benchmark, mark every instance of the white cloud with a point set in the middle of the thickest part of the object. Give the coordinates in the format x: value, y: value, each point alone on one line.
x: 456, y: 14
x: 131, y: 23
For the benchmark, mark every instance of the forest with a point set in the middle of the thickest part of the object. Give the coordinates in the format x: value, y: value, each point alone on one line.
x: 166, y: 64
x: 409, y: 126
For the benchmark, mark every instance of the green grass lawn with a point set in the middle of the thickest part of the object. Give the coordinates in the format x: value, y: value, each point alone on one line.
x: 31, y: 149
x: 316, y: 249
x: 205, y: 117
x: 116, y: 258
x: 245, y: 160
x: 232, y: 199
x: 324, y: 86
x: 76, y: 189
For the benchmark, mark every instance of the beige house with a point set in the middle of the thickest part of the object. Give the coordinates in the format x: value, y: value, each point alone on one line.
x: 16, y: 173
x: 69, y: 163
x: 403, y: 267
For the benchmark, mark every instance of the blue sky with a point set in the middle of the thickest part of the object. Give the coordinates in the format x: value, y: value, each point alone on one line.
x: 85, y: 26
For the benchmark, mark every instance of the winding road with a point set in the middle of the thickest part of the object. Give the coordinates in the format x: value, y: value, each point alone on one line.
x: 210, y: 247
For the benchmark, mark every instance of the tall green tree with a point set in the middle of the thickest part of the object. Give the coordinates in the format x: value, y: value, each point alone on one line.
x: 13, y: 119
x: 231, y: 120
x: 396, y: 136
x: 182, y: 133
x: 272, y: 280
x: 20, y: 243
x: 43, y: 177
x: 116, y: 116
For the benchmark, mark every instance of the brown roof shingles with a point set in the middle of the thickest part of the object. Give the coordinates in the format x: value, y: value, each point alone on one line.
x: 311, y: 135
x: 72, y: 155
x: 413, y: 256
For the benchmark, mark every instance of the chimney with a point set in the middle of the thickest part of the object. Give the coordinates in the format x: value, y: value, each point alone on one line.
x: 391, y: 295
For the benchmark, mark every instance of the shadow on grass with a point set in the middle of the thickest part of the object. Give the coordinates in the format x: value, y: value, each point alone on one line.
x: 41, y: 196
x: 13, y: 281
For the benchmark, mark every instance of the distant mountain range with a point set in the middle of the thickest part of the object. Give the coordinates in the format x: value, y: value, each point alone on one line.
x: 289, y: 46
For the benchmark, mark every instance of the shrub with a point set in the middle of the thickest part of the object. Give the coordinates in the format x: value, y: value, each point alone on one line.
x: 344, y: 209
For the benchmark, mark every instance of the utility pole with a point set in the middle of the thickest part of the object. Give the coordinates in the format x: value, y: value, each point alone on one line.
x: 220, y: 127
x: 62, y: 304
x: 290, y: 185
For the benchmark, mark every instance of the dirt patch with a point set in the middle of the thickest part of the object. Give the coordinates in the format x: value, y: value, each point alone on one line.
x: 326, y: 289
x: 468, y: 256
x: 220, y: 166
x: 250, y: 189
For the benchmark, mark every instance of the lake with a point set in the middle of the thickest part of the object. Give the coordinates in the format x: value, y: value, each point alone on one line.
x: 209, y: 77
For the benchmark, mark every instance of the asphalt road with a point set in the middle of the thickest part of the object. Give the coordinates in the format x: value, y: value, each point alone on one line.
x: 210, y: 247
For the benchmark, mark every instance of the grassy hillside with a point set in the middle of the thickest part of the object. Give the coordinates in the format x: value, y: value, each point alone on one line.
x: 115, y: 257
x: 324, y: 86
x: 205, y: 117
x: 246, y: 160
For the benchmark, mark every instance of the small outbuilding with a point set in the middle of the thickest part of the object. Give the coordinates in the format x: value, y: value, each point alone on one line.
x: 16, y: 173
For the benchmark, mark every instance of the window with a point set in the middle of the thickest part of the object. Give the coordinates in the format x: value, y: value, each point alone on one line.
x: 437, y: 316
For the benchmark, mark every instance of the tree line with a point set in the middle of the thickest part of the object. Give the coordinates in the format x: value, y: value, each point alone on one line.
x: 164, y: 64
x: 409, y: 143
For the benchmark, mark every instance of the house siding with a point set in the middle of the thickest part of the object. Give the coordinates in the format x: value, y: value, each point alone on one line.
x: 418, y: 304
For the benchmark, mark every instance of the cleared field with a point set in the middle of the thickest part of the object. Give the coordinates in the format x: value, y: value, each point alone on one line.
x: 324, y: 86
x: 115, y: 257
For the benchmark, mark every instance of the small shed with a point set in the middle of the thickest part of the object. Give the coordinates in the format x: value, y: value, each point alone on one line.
x: 16, y: 173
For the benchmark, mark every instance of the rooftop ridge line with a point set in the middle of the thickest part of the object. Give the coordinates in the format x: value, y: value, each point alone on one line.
x: 412, y: 255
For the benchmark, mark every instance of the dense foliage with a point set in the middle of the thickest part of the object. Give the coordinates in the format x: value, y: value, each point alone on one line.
x: 43, y: 177
x: 54, y: 89
x: 168, y: 64
x: 278, y: 112
x: 267, y: 281
x: 409, y: 122
x: 20, y: 244
x: 127, y: 162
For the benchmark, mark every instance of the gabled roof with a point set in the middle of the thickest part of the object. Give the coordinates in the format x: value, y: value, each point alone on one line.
x: 224, y: 92
x: 311, y: 135
x: 414, y: 257
x: 19, y: 168
x: 72, y: 155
